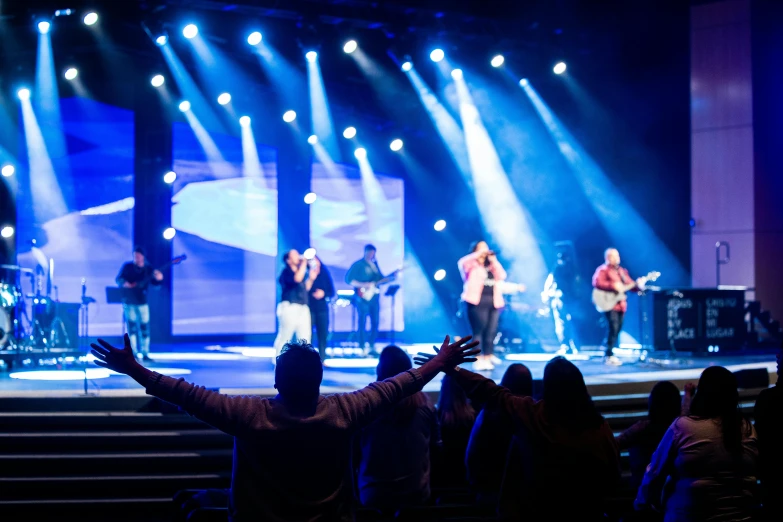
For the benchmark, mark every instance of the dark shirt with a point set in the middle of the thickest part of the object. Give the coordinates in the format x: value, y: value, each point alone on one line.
x: 288, y: 465
x: 322, y: 282
x: 485, y: 459
x: 292, y: 291
x: 769, y: 425
x: 488, y: 293
x: 363, y: 272
x: 449, y: 467
x: 641, y: 440
x: 142, y: 276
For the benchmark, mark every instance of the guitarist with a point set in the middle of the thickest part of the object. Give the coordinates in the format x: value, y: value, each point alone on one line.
x: 365, y: 275
x: 135, y: 278
x: 611, y: 277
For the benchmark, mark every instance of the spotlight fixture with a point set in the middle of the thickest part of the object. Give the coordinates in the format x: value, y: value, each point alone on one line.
x: 161, y: 40
x: 71, y: 74
x: 169, y: 233
x: 23, y: 94
x: 437, y: 55
x: 157, y: 80
x: 497, y: 61
x: 184, y: 106
x: 190, y: 31
x: 289, y: 116
x: 406, y: 66
x: 440, y: 275
x: 224, y: 98
x: 91, y: 18
x: 523, y: 82
x: 254, y: 38
x: 396, y: 145
x: 8, y: 171
x: 169, y: 177
x: 244, y: 121
x: 44, y: 26
x: 349, y: 133
x: 310, y: 198
x: 350, y: 46
x: 559, y: 68
x: 360, y: 153
x: 313, y: 139
x: 311, y: 56
x: 439, y: 225
x: 456, y: 74
x: 7, y: 232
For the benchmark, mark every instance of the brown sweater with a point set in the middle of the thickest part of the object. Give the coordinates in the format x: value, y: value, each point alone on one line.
x: 288, y: 467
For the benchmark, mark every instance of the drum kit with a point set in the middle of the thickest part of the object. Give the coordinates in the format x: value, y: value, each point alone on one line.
x: 29, y: 322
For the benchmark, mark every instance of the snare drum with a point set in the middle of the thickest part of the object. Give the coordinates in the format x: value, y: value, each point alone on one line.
x: 9, y: 295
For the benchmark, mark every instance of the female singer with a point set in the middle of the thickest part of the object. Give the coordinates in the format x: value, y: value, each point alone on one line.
x: 320, y: 294
x: 484, y: 299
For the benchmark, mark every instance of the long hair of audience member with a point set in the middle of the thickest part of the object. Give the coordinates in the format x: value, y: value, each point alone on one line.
x: 453, y: 406
x: 565, y: 394
x: 717, y: 398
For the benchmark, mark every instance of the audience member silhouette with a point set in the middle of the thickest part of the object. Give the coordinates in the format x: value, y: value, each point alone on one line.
x: 706, y: 465
x: 566, y: 461
x: 663, y: 406
x: 456, y: 417
x: 489, y: 441
x: 394, y: 451
x: 769, y: 425
x: 291, y: 452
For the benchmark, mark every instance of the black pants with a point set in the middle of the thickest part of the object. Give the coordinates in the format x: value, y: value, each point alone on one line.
x: 320, y: 320
x: 483, y: 319
x: 614, y: 319
x: 371, y: 308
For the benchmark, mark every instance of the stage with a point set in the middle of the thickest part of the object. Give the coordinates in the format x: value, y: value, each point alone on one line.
x: 249, y: 370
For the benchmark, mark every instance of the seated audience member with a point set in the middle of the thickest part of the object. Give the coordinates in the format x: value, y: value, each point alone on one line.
x: 455, y: 417
x: 706, y: 465
x: 769, y: 425
x: 569, y: 462
x: 394, y: 461
x: 488, y: 446
x: 663, y: 406
x: 291, y: 452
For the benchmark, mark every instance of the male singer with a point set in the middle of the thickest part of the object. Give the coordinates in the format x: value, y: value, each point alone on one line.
x: 135, y: 278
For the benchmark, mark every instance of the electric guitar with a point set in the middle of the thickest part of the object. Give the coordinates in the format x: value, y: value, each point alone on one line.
x: 369, y: 290
x: 604, y: 300
x: 143, y: 282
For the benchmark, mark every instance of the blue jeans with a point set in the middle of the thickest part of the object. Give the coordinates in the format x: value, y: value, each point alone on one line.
x: 137, y: 317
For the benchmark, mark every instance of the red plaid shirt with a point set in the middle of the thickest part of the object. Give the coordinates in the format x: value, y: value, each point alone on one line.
x: 606, y: 276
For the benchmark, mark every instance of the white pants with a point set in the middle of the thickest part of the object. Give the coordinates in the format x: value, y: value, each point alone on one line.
x: 292, y: 319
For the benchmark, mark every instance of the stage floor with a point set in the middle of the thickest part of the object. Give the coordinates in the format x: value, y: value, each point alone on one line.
x: 249, y: 370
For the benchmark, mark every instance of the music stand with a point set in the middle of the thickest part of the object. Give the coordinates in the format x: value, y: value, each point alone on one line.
x: 391, y: 291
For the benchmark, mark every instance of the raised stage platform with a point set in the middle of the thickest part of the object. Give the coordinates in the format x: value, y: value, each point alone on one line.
x: 249, y: 370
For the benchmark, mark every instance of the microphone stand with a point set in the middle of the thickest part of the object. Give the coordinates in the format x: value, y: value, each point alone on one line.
x: 84, y: 333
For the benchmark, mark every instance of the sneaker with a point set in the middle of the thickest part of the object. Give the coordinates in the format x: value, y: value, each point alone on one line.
x: 494, y: 359
x: 613, y: 361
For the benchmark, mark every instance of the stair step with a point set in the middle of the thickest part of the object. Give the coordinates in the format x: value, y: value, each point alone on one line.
x: 96, y: 421
x: 109, y: 486
x: 152, y: 509
x: 50, y: 464
x: 64, y: 441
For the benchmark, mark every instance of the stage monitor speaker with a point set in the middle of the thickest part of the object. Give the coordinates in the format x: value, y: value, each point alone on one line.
x: 753, y: 378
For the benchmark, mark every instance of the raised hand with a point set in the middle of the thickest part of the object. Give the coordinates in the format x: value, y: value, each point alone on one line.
x: 121, y: 360
x: 451, y: 354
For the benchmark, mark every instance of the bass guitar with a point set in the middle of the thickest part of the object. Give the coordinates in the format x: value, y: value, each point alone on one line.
x: 605, y: 301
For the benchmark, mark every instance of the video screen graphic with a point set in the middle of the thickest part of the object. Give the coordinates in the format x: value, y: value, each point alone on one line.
x: 352, y: 210
x: 226, y: 222
x: 87, y: 235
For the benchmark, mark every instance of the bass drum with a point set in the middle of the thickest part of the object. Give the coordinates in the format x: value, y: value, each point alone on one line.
x: 6, y: 328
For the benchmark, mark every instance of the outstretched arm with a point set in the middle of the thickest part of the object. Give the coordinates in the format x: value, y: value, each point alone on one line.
x: 364, y: 405
x: 226, y: 413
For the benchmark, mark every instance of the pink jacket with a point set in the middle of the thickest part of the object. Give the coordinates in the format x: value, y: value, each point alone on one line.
x: 474, y: 275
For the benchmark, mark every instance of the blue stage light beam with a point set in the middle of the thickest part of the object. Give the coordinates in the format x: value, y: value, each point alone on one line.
x: 507, y: 222
x: 47, y: 197
x: 629, y: 231
x: 217, y: 163
x: 251, y: 165
x: 447, y: 126
x: 288, y: 81
x: 319, y: 106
